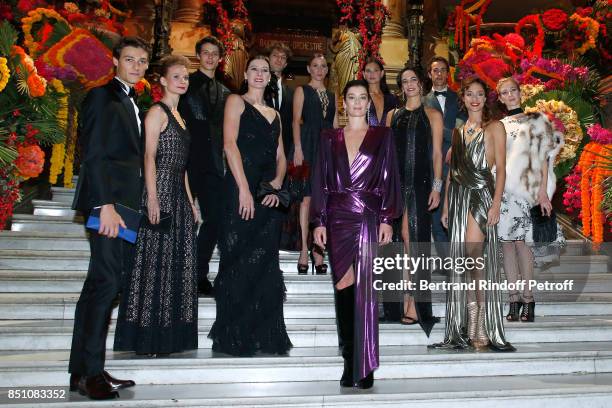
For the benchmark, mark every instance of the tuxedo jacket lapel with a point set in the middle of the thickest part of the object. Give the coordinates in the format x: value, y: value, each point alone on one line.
x: 433, y: 101
x: 127, y: 112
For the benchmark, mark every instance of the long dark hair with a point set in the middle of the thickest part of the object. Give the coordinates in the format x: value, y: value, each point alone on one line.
x: 465, y: 84
x: 383, y: 81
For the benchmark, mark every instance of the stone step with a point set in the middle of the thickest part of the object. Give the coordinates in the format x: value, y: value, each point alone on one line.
x: 45, y: 241
x: 65, y: 240
x: 307, y: 332
x: 53, y: 208
x: 48, y: 368
x: 79, y: 260
x: 62, y: 194
x: 18, y: 306
x: 48, y: 223
x: 71, y: 281
x: 544, y: 391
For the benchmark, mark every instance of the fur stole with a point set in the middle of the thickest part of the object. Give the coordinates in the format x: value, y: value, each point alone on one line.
x: 531, y: 143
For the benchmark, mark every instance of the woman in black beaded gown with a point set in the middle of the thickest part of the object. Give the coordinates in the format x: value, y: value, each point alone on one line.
x: 249, y: 287
x: 158, y: 313
x: 418, y: 140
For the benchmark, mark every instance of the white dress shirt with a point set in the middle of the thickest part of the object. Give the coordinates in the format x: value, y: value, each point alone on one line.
x: 441, y: 98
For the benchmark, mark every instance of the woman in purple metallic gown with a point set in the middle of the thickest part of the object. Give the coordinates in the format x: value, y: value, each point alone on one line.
x: 355, y: 197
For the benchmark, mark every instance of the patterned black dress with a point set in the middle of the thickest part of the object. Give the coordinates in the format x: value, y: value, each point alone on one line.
x: 158, y: 312
x: 317, y: 114
x: 249, y: 288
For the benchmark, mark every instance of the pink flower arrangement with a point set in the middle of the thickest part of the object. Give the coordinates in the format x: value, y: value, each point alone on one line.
x: 600, y: 134
x: 572, y: 196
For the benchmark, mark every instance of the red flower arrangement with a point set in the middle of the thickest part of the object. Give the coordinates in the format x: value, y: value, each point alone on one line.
x: 30, y: 160
x: 347, y: 11
x: 538, y: 43
x: 223, y: 26
x: 555, y: 19
x: 372, y: 17
x: 572, y: 197
x: 463, y: 19
x: 370, y: 20
x: 9, y: 194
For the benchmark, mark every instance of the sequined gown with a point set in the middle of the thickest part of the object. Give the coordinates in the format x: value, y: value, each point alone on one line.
x: 158, y: 312
x: 413, y: 139
x: 471, y: 190
x: 351, y: 200
x: 249, y: 288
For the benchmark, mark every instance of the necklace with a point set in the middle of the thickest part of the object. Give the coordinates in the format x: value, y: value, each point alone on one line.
x: 470, y: 129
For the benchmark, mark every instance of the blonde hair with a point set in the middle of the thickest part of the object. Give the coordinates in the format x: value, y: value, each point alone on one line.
x: 504, y: 80
x: 170, y: 61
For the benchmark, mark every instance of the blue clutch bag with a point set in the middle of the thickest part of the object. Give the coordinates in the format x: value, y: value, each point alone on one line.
x: 130, y: 216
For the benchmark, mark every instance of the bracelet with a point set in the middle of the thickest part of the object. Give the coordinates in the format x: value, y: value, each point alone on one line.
x: 437, y: 185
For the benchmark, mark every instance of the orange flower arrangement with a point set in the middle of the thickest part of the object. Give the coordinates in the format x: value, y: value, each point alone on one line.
x: 591, y: 31
x: 29, y: 81
x: 42, y: 15
x: 30, y: 161
x: 594, y: 172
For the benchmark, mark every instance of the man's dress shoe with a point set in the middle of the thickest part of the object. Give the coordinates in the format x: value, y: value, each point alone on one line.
x: 96, y: 388
x: 115, y: 383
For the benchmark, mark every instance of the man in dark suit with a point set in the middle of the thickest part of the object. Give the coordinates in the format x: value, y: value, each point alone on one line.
x: 444, y: 100
x: 282, y: 95
x: 111, y: 173
x: 202, y: 108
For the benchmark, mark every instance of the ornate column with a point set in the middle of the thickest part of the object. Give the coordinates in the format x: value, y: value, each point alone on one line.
x: 394, y: 46
x: 414, y: 23
x: 161, y: 30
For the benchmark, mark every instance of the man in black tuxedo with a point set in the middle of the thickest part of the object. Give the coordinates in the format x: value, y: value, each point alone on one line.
x: 111, y: 173
x: 282, y: 95
x: 444, y: 100
x: 202, y: 108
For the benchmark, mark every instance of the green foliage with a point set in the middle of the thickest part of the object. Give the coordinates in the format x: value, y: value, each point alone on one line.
x: 8, y: 37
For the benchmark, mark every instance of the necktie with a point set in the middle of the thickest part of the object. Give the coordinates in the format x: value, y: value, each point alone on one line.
x: 440, y: 93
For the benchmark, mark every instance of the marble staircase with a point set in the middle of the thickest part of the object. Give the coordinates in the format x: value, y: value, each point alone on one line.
x: 564, y: 359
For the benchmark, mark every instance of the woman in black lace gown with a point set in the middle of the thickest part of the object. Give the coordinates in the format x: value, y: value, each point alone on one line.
x: 314, y: 109
x: 249, y: 287
x: 158, y: 313
x: 418, y: 139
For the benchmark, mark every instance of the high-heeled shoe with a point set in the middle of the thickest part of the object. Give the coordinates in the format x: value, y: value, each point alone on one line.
x: 472, y: 309
x: 302, y: 268
x: 528, y: 314
x: 317, y: 269
x: 321, y: 269
x: 482, y: 340
x: 366, y: 382
x: 513, y: 313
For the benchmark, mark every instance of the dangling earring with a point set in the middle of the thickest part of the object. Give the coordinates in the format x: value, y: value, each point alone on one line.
x: 368, y: 114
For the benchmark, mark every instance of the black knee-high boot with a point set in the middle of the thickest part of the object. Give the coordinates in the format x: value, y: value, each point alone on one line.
x: 345, y: 313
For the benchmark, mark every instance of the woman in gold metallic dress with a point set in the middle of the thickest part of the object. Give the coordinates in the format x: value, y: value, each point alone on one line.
x: 471, y: 212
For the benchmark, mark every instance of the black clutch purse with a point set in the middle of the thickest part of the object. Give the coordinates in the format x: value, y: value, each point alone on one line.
x: 265, y: 189
x: 544, y: 228
x: 163, y: 226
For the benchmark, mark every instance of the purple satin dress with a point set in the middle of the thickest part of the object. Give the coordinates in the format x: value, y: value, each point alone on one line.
x: 351, y: 200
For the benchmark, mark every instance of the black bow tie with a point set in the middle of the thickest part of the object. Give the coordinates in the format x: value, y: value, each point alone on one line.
x: 440, y: 93
x: 132, y: 93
